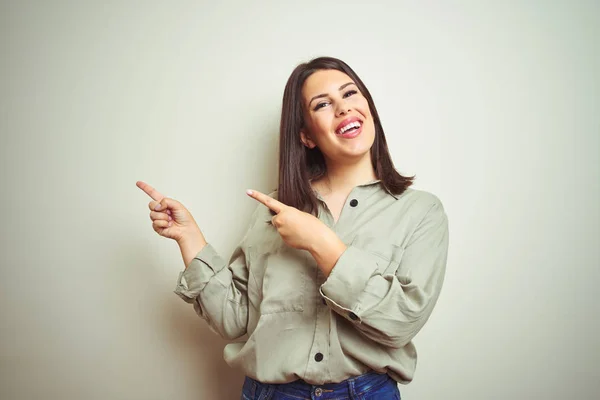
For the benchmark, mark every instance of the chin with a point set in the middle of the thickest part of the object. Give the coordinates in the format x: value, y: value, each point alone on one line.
x: 361, y: 147
x: 358, y: 152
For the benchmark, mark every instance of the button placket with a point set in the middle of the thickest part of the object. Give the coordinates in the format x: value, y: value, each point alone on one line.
x: 320, y: 346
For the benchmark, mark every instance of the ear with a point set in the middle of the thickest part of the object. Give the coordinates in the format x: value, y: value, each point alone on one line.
x: 308, y: 142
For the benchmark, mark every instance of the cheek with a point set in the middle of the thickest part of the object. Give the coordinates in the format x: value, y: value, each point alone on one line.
x: 363, y: 106
x: 372, y: 126
x: 321, y: 124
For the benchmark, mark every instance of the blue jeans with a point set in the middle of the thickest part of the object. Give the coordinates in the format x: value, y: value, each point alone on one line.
x: 370, y: 386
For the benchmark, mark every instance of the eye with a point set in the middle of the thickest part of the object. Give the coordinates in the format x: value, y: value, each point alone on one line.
x: 350, y: 93
x: 320, y: 105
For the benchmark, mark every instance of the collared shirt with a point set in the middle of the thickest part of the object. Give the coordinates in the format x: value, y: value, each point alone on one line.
x: 302, y: 325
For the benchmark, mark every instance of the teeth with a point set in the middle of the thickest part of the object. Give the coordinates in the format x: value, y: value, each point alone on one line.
x: 349, y: 126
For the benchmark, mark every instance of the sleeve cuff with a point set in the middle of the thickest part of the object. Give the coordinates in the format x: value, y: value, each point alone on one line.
x: 201, y: 269
x: 347, y: 281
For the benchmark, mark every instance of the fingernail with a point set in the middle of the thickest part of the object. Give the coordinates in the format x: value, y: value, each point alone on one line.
x: 157, y: 207
x: 169, y: 212
x: 170, y: 219
x: 170, y: 223
x: 249, y: 192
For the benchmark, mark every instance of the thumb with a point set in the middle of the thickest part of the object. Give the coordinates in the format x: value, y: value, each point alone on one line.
x: 166, y: 203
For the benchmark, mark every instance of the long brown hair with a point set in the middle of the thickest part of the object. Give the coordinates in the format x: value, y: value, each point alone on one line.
x: 299, y: 164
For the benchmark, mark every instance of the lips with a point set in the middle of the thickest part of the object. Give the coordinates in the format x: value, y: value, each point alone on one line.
x: 347, y: 125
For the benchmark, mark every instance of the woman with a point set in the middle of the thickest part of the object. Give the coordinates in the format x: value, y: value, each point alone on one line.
x: 340, y: 267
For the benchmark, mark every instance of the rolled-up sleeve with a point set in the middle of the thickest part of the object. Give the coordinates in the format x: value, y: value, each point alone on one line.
x: 218, y: 289
x: 390, y: 308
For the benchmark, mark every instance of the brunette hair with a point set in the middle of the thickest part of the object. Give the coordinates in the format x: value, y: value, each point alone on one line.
x: 299, y: 164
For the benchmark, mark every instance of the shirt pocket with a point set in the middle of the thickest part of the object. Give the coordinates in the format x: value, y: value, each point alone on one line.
x: 283, y: 280
x: 388, y: 257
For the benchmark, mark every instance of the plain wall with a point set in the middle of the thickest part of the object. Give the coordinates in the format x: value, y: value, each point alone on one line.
x: 493, y: 105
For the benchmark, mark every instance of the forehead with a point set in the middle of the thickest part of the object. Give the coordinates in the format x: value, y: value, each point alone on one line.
x: 324, y: 81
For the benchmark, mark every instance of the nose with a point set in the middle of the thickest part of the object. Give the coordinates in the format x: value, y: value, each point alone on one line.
x: 342, y: 108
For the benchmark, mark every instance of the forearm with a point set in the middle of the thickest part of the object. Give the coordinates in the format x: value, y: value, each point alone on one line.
x: 389, y: 299
x: 190, y: 246
x: 326, y: 251
x: 388, y: 308
x: 218, y: 290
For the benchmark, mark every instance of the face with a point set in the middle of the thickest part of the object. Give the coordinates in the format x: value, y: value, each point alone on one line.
x: 337, y: 117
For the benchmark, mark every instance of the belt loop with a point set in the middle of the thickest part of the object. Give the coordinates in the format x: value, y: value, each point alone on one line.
x: 351, y: 389
x: 267, y: 392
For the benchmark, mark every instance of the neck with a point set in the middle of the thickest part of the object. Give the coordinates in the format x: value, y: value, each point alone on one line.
x: 344, y: 177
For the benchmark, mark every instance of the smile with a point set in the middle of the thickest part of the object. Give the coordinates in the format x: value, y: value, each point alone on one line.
x: 349, y: 128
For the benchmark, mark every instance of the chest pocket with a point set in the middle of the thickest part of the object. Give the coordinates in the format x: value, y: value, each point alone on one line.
x: 388, y: 257
x: 280, y: 275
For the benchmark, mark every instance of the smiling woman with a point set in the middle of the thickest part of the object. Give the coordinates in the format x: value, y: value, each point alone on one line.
x: 332, y: 291
x: 321, y: 98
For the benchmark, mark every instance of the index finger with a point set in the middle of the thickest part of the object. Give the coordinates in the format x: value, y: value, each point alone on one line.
x: 266, y: 200
x: 150, y: 191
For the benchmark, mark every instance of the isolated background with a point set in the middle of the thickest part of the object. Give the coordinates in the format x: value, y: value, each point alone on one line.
x: 493, y: 105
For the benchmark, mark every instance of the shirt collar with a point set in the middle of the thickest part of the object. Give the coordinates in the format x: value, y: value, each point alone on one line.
x: 382, y: 185
x: 370, y: 183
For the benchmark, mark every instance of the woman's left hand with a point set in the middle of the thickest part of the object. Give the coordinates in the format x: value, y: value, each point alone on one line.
x: 304, y: 231
x: 298, y: 229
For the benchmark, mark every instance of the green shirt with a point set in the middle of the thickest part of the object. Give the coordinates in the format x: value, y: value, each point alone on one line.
x: 300, y: 324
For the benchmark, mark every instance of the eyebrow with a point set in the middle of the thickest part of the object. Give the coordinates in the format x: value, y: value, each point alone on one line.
x: 325, y: 94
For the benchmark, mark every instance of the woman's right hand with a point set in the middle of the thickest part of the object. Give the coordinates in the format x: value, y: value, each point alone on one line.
x: 170, y: 218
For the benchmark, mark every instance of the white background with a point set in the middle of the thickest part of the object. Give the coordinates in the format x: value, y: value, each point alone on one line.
x: 493, y: 105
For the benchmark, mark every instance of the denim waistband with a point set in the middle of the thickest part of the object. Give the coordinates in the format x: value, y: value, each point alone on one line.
x: 347, y: 388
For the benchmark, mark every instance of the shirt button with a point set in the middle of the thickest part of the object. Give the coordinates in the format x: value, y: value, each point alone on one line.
x: 318, y: 357
x: 353, y: 316
x: 353, y: 203
x: 318, y: 392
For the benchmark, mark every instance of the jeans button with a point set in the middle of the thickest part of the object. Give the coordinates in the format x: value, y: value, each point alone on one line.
x: 318, y: 392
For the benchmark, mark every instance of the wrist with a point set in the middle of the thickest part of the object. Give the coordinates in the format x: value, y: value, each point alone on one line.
x: 326, y: 250
x: 192, y: 236
x: 319, y: 240
x: 190, y: 245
